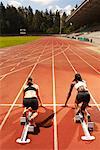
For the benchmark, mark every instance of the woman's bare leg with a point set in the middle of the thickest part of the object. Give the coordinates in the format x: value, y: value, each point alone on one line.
x: 32, y: 118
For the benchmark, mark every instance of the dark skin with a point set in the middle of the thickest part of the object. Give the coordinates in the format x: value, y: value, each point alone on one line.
x: 69, y: 93
x: 76, y: 79
x: 37, y: 93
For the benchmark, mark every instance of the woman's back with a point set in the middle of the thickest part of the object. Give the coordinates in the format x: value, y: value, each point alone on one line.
x: 81, y: 85
x: 30, y: 91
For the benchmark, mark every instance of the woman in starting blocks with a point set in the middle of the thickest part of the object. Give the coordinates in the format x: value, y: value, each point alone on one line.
x: 82, y: 96
x: 30, y: 99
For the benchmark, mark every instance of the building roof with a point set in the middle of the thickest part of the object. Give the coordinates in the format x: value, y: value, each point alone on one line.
x: 87, y: 13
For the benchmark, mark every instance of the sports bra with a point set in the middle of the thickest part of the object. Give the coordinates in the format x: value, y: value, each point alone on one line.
x: 81, y: 86
x: 30, y: 91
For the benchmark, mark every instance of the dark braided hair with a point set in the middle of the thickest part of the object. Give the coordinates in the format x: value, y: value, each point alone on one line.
x: 77, y: 77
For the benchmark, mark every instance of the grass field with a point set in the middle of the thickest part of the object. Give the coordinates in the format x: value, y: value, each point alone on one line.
x: 16, y: 40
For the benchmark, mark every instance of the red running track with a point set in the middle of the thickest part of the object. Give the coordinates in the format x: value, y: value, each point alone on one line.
x: 52, y: 62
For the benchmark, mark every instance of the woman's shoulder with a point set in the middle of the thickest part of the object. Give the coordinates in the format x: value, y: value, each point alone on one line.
x: 25, y: 86
x: 73, y: 83
x: 84, y: 81
x: 35, y: 85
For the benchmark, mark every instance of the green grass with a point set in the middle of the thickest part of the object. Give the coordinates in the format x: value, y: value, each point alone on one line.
x: 16, y: 40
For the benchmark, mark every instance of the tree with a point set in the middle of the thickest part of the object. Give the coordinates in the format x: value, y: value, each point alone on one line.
x: 64, y: 16
x: 29, y: 19
x: 2, y: 19
x: 38, y: 18
x: 13, y: 19
x: 22, y: 17
x: 56, y: 24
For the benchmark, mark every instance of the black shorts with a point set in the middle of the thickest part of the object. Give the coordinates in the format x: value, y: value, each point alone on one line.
x: 84, y: 97
x: 31, y: 102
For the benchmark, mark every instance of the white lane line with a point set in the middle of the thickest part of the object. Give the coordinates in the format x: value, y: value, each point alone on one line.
x: 8, y: 66
x: 45, y: 105
x: 70, y: 63
x: 75, y: 71
x: 15, y: 100
x: 85, y: 61
x: 18, y: 64
x: 82, y: 51
x: 94, y: 101
x: 54, y: 102
x: 13, y: 58
x: 33, y: 64
x: 2, y: 77
x: 12, y: 69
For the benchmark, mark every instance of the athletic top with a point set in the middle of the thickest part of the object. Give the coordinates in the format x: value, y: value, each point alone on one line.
x: 30, y: 91
x: 81, y: 86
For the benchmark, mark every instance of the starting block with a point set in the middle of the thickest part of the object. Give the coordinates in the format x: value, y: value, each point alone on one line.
x: 23, y: 139
x: 86, y: 129
x: 90, y: 126
x: 31, y: 129
x: 28, y: 128
x: 22, y: 120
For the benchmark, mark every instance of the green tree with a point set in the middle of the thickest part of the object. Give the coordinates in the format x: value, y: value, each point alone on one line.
x: 2, y: 19
x: 56, y: 24
x: 64, y: 16
x: 29, y: 19
x: 22, y: 17
x: 12, y: 19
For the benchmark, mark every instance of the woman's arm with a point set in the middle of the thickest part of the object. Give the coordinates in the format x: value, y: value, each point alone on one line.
x: 69, y: 93
x: 37, y: 93
x: 23, y: 94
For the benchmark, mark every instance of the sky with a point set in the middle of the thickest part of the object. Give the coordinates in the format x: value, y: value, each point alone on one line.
x: 64, y: 5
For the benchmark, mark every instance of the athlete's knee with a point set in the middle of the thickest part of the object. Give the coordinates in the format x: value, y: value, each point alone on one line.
x: 34, y: 115
x: 84, y: 105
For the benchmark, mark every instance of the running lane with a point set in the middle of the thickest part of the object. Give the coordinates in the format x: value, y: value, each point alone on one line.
x: 10, y: 126
x: 66, y: 65
x: 52, y: 62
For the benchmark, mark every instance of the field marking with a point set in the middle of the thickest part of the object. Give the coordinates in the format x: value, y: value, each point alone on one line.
x: 45, y: 105
x: 2, y: 77
x: 87, y: 53
x: 21, y: 58
x: 45, y: 59
x: 54, y: 101
x: 12, y: 69
x: 93, y: 49
x: 8, y: 66
x: 85, y: 61
x: 28, y: 59
x: 75, y: 71
x: 13, y: 57
x: 69, y: 62
x: 18, y: 64
x: 15, y: 100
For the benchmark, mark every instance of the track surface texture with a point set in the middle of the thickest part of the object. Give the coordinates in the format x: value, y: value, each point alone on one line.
x: 52, y: 62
